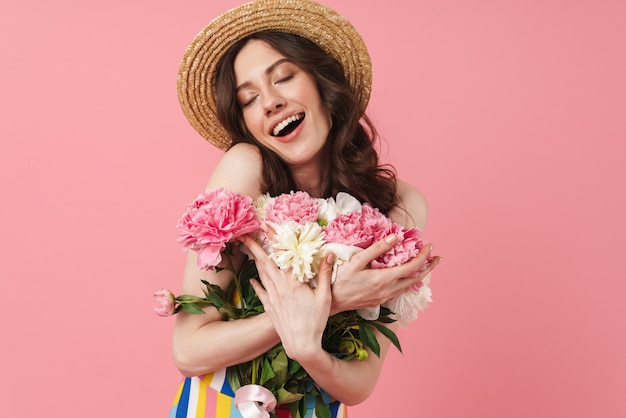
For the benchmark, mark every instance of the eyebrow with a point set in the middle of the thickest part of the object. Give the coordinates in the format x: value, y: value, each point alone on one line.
x: 268, y: 71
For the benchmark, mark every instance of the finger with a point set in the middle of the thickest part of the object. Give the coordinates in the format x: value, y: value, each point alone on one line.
x: 261, y: 293
x: 375, y: 250
x: 251, y: 244
x: 266, y: 279
x: 426, y: 267
x: 431, y: 264
x: 405, y: 275
x: 325, y: 273
x: 257, y: 251
x: 402, y: 285
x: 269, y: 231
x: 415, y: 264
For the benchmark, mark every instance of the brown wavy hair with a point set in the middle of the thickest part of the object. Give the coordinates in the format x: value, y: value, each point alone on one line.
x: 353, y: 161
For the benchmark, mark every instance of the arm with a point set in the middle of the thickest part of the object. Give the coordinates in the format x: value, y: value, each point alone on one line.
x: 299, y: 314
x: 351, y: 382
x: 358, y: 287
x: 203, y: 343
x: 411, y: 208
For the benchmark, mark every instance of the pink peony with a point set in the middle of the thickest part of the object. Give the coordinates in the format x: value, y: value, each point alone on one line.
x: 408, y: 246
x: 212, y: 220
x: 358, y: 229
x: 299, y: 207
x: 165, y: 298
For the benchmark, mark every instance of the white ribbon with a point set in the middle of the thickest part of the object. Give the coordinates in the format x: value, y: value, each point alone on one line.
x: 254, y: 401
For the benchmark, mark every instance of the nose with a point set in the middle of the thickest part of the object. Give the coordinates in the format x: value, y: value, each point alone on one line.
x: 273, y: 102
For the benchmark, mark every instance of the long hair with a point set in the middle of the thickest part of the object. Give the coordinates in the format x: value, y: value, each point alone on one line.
x: 353, y: 161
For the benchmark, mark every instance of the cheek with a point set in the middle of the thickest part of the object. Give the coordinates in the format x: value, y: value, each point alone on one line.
x: 323, y: 110
x: 326, y: 116
x: 251, y: 123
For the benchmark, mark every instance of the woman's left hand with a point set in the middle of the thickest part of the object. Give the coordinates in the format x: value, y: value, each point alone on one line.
x: 358, y: 286
x: 298, y: 312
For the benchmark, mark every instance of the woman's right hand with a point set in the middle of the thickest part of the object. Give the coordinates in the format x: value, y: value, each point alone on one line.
x: 357, y: 286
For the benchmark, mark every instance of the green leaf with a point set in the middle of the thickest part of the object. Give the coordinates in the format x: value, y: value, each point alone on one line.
x: 250, y: 298
x: 385, y: 311
x: 294, y: 366
x: 192, y: 308
x: 369, y: 338
x: 279, y: 364
x: 302, y: 407
x: 385, y: 315
x: 385, y: 320
x: 300, y: 374
x: 321, y: 409
x: 389, y: 334
x: 267, y: 371
x: 232, y: 375
x: 284, y: 396
x: 294, y: 410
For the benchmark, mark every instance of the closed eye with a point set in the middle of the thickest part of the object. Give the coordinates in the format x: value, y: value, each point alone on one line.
x: 249, y: 101
x: 284, y: 79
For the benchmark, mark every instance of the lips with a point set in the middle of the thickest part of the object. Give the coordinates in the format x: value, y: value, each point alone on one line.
x: 288, y: 124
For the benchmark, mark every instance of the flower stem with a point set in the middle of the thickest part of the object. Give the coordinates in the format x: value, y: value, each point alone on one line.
x: 230, y: 267
x: 255, y: 370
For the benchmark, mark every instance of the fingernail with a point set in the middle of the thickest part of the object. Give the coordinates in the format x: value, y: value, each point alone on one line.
x: 391, y: 239
x: 330, y: 258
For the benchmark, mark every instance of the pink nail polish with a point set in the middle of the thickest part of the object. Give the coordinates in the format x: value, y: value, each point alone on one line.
x: 391, y: 239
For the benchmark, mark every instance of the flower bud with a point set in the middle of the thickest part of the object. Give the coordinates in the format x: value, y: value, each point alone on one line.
x: 346, y: 347
x: 165, y: 298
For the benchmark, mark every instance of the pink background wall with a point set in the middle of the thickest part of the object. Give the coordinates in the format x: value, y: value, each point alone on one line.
x: 509, y: 115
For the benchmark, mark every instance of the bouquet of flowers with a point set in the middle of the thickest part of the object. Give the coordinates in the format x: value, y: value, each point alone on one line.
x: 305, y: 230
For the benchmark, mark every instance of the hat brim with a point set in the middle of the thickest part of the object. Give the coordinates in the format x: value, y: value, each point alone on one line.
x: 311, y: 20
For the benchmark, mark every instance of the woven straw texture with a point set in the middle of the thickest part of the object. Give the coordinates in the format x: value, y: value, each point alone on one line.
x: 311, y: 20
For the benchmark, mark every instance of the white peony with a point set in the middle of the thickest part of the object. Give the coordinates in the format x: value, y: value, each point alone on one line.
x: 260, y: 204
x: 299, y: 247
x: 406, y: 306
x: 330, y: 208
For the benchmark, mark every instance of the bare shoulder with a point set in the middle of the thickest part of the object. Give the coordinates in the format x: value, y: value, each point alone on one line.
x: 239, y: 170
x: 412, y: 208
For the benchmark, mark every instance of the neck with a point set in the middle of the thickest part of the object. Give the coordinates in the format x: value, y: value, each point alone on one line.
x: 311, y: 177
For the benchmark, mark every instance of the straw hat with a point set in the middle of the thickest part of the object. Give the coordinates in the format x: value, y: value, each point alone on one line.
x: 306, y: 18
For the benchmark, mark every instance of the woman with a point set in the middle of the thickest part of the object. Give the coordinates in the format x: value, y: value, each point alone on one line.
x: 290, y: 83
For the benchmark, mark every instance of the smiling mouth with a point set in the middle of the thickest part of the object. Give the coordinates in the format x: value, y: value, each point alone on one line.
x: 288, y: 125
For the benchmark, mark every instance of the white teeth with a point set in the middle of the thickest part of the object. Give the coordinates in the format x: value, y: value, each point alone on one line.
x: 282, y: 125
